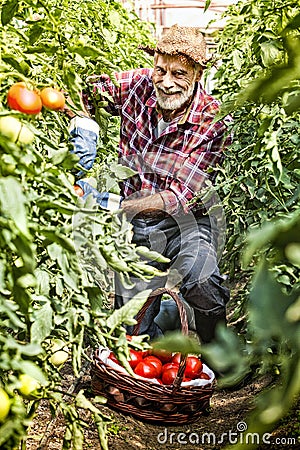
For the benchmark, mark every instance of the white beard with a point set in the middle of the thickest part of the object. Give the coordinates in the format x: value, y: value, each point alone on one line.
x: 174, y: 103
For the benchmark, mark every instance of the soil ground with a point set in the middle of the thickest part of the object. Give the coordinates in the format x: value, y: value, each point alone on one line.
x: 229, y: 412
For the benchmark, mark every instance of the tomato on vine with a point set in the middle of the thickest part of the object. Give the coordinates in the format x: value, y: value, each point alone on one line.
x: 15, y: 131
x: 28, y: 385
x: 78, y: 190
x: 22, y: 99
x: 4, y: 405
x: 52, y: 98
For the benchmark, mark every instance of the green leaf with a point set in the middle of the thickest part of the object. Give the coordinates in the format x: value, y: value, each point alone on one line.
x: 175, y: 341
x: 292, y: 252
x: 9, y: 10
x: 126, y: 314
x: 35, y: 32
x: 269, y: 53
x: 13, y: 201
x: 20, y: 66
x: 122, y: 172
x: 207, y: 5
x: 115, y: 18
x: 29, y: 368
x: 151, y: 255
x: 268, y: 306
x: 42, y: 322
x: 82, y: 402
x: 279, y: 232
x: 227, y: 355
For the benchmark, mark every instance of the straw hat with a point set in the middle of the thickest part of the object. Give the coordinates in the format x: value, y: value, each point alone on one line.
x: 188, y: 41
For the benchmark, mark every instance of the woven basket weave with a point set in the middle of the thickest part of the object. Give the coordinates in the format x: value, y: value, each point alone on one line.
x: 147, y: 401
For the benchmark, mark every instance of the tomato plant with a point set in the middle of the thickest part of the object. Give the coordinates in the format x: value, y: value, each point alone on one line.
x: 54, y: 255
x: 258, y: 83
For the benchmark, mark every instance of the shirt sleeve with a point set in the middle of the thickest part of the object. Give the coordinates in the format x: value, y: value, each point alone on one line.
x: 113, y: 90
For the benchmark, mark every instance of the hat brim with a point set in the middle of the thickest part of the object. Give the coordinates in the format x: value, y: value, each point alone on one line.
x: 151, y: 51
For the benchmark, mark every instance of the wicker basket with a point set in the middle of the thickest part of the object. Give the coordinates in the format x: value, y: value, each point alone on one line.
x: 147, y: 401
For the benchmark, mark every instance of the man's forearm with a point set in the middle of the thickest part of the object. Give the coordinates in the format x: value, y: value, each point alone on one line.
x: 152, y: 203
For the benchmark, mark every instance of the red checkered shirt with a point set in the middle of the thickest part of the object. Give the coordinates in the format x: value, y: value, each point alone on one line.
x: 177, y: 163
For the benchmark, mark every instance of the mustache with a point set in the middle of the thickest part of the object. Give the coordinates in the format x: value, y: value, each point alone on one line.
x: 169, y: 91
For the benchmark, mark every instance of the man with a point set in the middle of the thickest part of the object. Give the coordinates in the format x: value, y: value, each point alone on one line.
x: 170, y: 138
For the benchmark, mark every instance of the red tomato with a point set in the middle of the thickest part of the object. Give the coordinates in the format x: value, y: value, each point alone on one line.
x: 193, y: 367
x: 170, y: 365
x: 78, y: 190
x: 23, y: 99
x: 163, y: 355
x: 113, y: 357
x: 128, y: 337
x: 169, y: 375
x: 177, y: 358
x: 145, y: 369
x: 156, y: 363
x: 52, y: 98
x: 135, y: 357
x: 204, y: 376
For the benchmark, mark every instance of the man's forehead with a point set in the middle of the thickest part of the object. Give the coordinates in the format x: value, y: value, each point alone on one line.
x: 176, y: 60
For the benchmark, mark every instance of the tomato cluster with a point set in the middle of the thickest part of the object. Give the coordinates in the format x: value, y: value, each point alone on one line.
x: 30, y: 101
x: 163, y: 366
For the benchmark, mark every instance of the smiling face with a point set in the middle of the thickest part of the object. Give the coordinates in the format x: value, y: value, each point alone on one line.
x: 174, y: 79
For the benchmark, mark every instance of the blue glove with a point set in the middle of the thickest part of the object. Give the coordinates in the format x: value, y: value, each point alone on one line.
x: 106, y: 200
x: 84, y: 134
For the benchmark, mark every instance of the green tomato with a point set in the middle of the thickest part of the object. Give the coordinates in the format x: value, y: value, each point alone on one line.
x: 14, y: 130
x: 4, y: 405
x: 60, y: 352
x: 26, y: 136
x: 28, y: 385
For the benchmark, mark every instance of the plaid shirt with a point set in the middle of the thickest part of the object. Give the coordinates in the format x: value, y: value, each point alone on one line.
x: 176, y: 163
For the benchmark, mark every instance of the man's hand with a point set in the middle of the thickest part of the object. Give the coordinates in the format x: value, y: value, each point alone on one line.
x: 71, y: 111
x: 150, y: 205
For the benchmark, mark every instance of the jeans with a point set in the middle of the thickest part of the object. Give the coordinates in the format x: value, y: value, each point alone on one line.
x: 191, y: 245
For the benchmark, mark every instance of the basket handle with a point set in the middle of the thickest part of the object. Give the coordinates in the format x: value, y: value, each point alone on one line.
x: 183, y: 321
